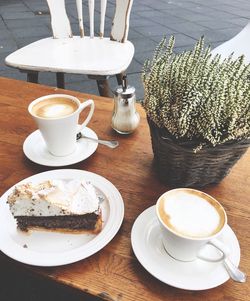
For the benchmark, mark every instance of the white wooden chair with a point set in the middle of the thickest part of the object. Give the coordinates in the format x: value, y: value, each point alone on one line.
x: 95, y: 56
x: 238, y: 45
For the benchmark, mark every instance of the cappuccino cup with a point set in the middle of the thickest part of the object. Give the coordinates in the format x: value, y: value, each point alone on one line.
x: 190, y: 220
x: 57, y: 116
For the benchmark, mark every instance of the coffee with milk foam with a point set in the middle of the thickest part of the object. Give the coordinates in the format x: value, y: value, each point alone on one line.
x: 56, y: 107
x: 191, y: 213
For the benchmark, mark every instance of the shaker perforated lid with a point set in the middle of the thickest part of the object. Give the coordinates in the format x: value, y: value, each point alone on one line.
x: 124, y: 90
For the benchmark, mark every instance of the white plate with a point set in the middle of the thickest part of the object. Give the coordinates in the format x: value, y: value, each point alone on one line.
x: 196, y: 275
x: 43, y: 248
x: 36, y: 150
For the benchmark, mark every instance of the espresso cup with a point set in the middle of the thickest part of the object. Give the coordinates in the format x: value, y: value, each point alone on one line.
x: 57, y: 116
x: 189, y: 221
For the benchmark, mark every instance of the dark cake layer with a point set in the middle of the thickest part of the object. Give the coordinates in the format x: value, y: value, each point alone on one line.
x: 72, y: 222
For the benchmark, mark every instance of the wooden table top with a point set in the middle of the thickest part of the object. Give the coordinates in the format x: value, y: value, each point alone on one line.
x: 114, y: 273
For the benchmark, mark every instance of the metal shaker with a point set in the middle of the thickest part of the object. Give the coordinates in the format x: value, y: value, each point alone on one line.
x: 125, y: 118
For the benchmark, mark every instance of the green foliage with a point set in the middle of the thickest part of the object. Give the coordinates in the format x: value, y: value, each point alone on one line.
x: 196, y: 96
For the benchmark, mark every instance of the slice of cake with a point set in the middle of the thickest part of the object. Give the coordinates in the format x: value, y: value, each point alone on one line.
x: 68, y: 206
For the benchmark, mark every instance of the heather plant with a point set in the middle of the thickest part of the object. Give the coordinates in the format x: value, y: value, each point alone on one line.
x: 197, y: 96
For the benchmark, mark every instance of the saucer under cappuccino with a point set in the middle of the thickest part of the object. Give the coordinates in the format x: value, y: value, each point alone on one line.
x: 56, y: 107
x: 191, y: 213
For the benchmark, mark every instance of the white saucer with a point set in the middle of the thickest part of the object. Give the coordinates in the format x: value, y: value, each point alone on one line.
x: 35, y: 149
x: 196, y: 275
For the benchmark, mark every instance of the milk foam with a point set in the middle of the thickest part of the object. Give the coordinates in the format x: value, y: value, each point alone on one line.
x: 191, y: 215
x: 51, y: 111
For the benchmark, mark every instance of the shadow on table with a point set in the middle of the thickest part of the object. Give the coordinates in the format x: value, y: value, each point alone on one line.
x: 17, y: 284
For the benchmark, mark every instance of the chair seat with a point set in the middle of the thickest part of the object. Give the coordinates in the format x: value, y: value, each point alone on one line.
x: 74, y: 55
x: 238, y: 45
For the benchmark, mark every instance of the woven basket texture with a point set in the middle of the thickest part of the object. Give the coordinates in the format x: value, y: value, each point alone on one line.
x: 178, y: 166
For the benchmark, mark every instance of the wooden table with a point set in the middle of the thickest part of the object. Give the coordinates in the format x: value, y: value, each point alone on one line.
x: 114, y: 273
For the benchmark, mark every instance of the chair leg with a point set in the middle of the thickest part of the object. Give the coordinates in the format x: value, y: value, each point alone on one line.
x: 60, y: 80
x: 102, y: 84
x: 32, y: 76
x: 103, y: 87
x: 119, y: 78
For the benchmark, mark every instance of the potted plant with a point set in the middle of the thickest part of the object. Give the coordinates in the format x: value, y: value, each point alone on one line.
x: 198, y: 110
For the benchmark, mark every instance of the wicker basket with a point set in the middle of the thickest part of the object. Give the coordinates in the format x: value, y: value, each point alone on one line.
x: 178, y: 166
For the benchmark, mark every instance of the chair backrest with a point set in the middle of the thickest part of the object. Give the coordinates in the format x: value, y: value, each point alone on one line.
x: 61, y: 27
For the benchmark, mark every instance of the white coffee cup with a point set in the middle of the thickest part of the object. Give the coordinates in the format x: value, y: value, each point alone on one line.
x: 56, y: 116
x: 190, y: 220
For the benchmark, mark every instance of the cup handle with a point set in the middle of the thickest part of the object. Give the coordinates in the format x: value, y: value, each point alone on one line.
x: 83, y: 105
x: 219, y: 246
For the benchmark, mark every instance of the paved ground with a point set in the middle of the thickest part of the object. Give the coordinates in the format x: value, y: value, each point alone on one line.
x: 25, y: 21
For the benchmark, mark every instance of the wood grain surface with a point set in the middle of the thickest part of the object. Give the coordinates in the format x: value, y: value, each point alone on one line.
x: 114, y: 273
